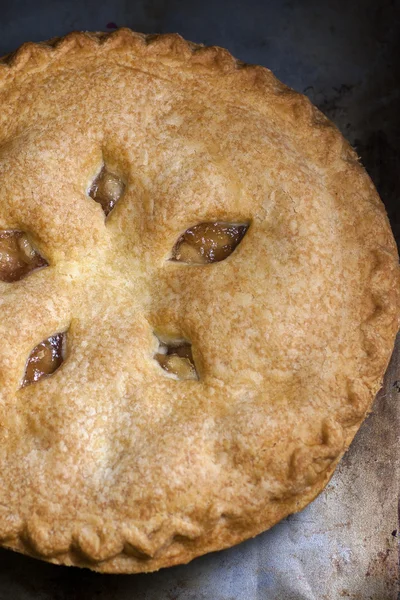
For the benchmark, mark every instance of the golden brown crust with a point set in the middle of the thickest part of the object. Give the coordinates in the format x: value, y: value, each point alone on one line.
x: 108, y: 464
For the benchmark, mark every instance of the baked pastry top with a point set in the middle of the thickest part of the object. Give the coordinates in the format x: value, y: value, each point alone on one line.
x: 199, y: 295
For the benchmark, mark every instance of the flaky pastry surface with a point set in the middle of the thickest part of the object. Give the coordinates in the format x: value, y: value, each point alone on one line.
x: 109, y: 463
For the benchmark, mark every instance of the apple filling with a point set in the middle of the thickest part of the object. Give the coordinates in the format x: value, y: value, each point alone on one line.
x: 45, y: 359
x: 107, y: 189
x: 17, y: 256
x: 177, y: 359
x: 208, y: 242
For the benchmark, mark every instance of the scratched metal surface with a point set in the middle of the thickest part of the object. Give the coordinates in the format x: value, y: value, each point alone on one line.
x: 345, y: 55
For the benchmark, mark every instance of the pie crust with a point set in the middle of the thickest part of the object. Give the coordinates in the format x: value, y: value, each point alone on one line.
x: 112, y: 463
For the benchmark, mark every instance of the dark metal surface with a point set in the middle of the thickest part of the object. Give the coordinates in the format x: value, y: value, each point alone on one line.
x: 346, y: 56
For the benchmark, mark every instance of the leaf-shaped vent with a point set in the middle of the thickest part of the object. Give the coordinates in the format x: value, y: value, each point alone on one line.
x: 45, y: 359
x: 107, y: 189
x: 208, y: 242
x: 17, y: 256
